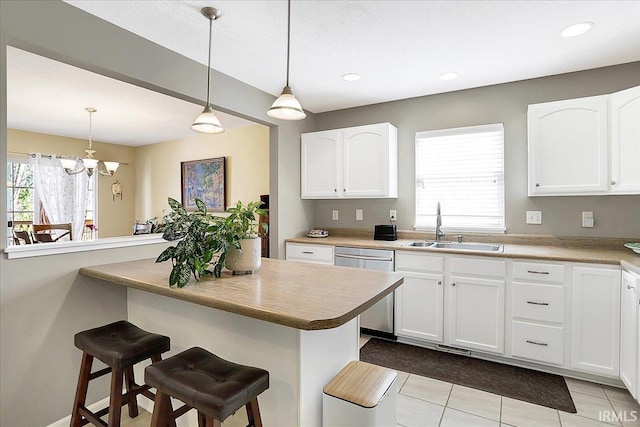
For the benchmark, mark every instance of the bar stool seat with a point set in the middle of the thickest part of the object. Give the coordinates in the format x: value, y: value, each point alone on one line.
x: 119, y: 345
x: 215, y: 387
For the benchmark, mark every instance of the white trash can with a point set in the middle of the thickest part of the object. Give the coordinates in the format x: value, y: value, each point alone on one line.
x: 361, y: 394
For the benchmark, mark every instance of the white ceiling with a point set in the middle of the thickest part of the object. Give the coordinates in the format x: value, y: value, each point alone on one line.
x: 399, y: 47
x: 50, y: 97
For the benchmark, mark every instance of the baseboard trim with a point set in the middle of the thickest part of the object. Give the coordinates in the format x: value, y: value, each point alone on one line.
x: 143, y: 402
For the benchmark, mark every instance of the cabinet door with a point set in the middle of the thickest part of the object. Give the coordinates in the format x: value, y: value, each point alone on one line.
x: 320, y: 165
x: 418, y: 307
x: 625, y: 141
x: 568, y: 147
x: 629, y: 333
x: 595, y: 330
x: 475, y: 316
x: 370, y: 161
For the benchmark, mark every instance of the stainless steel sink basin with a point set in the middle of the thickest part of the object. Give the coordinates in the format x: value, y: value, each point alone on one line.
x: 420, y: 244
x: 464, y: 246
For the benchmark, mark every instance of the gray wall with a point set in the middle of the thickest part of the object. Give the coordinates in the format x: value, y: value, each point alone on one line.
x: 43, y: 300
x: 615, y: 216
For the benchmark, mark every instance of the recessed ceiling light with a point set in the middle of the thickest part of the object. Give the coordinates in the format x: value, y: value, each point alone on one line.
x: 577, y: 29
x: 448, y: 76
x: 351, y: 77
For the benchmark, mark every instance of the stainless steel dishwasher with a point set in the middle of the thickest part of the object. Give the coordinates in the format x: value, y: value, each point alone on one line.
x: 377, y: 320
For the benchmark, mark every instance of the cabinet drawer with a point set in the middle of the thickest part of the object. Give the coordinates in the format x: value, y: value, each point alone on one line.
x: 538, y: 302
x: 537, y: 272
x: 412, y: 261
x: 478, y: 267
x: 310, y: 253
x: 537, y: 342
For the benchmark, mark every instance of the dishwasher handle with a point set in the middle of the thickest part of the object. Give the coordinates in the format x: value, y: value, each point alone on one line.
x: 365, y: 257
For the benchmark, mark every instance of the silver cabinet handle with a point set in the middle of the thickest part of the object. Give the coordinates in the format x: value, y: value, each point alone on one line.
x: 537, y: 184
x: 537, y: 272
x: 307, y: 252
x: 537, y: 303
x: 453, y: 283
x: 365, y: 257
x: 613, y: 183
x: 439, y: 282
x: 538, y: 343
x: 630, y: 287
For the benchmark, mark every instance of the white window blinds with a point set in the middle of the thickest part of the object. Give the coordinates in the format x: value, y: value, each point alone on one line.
x: 463, y: 169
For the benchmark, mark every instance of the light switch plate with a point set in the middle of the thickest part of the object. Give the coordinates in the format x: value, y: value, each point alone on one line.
x: 358, y: 214
x: 334, y: 216
x: 534, y: 217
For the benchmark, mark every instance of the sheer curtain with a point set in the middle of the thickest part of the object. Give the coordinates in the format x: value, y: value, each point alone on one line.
x: 63, y: 197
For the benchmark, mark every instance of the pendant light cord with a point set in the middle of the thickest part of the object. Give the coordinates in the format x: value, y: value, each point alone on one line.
x: 288, y: 36
x: 209, y: 62
x: 90, y: 128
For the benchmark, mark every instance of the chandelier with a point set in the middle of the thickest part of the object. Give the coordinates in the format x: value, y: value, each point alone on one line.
x: 88, y: 163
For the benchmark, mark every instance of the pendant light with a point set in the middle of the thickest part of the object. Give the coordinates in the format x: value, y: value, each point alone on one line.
x: 207, y: 122
x: 89, y: 163
x: 287, y: 107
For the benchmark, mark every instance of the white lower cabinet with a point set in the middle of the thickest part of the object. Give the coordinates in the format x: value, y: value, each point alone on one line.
x: 419, y: 305
x: 317, y: 254
x: 629, y: 333
x: 543, y: 343
x: 419, y: 301
x: 595, y: 320
x: 476, y: 313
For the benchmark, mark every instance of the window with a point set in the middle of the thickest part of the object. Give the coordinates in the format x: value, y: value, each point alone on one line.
x: 23, y: 204
x: 463, y: 169
x: 20, y: 196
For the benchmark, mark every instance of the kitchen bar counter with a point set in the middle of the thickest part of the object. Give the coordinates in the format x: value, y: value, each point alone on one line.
x: 570, y: 251
x: 298, y: 321
x: 302, y: 296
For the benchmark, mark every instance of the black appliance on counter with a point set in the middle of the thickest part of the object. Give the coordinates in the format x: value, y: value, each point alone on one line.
x: 385, y: 232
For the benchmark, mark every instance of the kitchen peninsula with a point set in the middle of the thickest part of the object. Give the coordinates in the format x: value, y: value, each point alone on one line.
x: 299, y: 321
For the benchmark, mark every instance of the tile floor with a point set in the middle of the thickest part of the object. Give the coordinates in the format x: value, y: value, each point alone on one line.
x: 426, y: 402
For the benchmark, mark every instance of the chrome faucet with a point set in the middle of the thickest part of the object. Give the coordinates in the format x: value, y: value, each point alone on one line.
x: 439, y: 233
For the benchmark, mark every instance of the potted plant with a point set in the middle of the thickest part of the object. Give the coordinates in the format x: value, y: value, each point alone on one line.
x: 202, y: 243
x: 207, y: 242
x: 241, y: 232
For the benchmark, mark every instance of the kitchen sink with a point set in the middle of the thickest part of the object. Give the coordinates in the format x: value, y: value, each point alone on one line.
x: 420, y: 244
x: 464, y: 246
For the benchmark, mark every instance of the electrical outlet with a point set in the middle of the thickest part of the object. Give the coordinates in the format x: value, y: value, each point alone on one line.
x: 358, y: 214
x: 534, y: 217
x: 587, y: 219
x: 334, y: 216
x: 392, y: 215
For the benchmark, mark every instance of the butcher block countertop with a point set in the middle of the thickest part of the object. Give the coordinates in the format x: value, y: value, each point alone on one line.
x: 595, y: 251
x: 296, y: 294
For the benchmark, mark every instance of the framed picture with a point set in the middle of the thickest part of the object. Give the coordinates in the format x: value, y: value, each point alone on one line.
x: 204, y: 180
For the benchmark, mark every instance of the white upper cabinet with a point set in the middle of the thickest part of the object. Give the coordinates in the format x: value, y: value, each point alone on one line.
x: 357, y: 162
x: 585, y: 146
x: 568, y: 147
x: 319, y: 172
x: 625, y: 141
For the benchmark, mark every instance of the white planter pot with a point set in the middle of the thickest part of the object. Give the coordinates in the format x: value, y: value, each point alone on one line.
x: 248, y: 259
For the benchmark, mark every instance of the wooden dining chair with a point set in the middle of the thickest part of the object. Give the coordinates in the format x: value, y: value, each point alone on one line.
x: 21, y: 236
x: 43, y: 233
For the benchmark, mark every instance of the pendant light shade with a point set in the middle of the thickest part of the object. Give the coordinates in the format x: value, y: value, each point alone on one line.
x: 287, y: 107
x: 207, y: 122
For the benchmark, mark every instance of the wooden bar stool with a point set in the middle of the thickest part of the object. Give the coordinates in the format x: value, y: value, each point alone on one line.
x: 216, y: 388
x: 119, y: 345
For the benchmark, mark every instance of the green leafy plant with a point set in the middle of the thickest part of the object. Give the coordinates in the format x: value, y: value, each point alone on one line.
x: 204, y: 239
x: 199, y: 239
x: 241, y: 222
